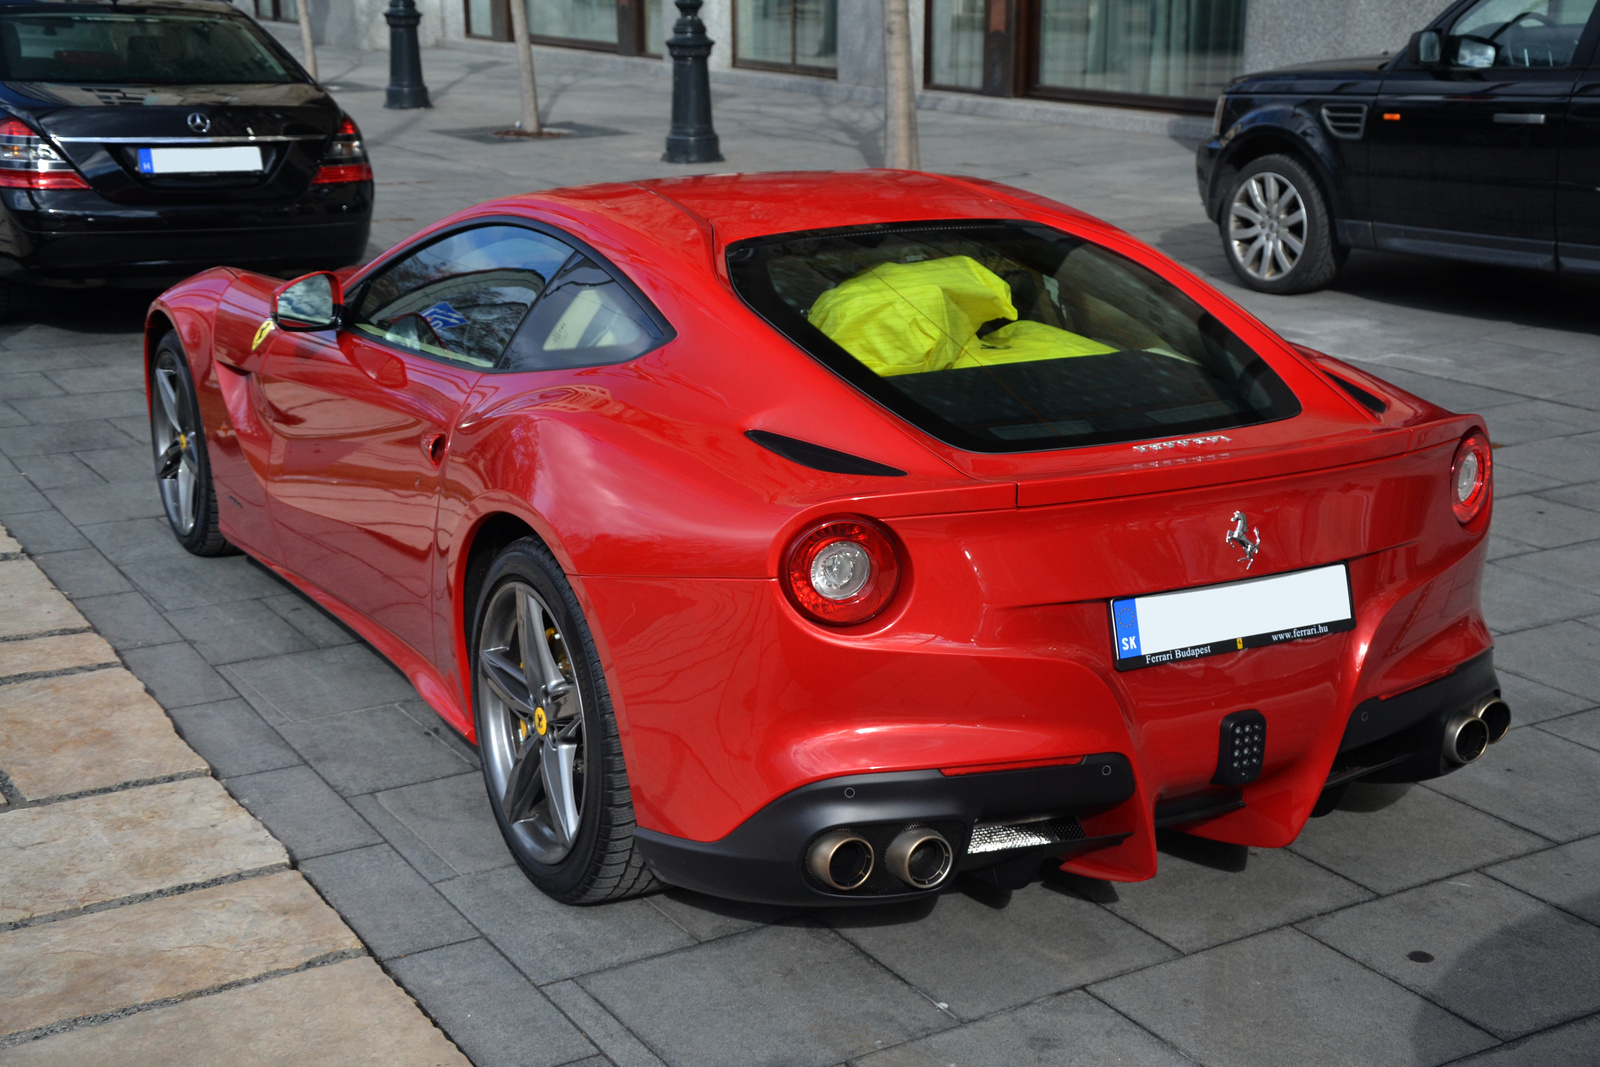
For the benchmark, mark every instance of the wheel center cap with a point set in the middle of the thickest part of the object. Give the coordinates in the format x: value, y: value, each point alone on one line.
x: 540, y: 722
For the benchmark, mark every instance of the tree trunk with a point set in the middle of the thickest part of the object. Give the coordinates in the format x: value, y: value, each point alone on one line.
x: 900, y: 94
x: 307, y: 44
x: 530, y: 91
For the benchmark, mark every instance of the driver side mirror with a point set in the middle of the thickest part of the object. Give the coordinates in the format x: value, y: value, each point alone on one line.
x: 1428, y: 48
x: 308, y: 304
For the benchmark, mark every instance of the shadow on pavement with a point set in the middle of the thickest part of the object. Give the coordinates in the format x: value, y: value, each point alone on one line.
x: 1524, y: 978
x: 1467, y: 290
x: 97, y: 310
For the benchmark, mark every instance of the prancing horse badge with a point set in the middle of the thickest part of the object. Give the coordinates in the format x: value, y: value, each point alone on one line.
x: 1244, y: 538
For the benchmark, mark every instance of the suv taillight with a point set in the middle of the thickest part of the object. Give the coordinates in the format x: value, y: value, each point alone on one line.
x: 346, y: 157
x: 1470, y: 483
x: 26, y: 162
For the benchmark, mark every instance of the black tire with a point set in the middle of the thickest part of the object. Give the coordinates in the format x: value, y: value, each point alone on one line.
x: 6, y: 297
x: 600, y: 862
x: 1260, y: 250
x: 178, y: 440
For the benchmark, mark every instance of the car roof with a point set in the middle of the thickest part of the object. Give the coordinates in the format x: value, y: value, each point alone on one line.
x: 735, y: 207
x: 68, y: 7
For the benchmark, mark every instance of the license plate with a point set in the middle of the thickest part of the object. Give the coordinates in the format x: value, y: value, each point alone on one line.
x: 239, y: 159
x: 1190, y: 623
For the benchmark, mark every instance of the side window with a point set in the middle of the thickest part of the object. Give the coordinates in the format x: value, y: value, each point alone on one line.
x: 1518, y: 33
x: 585, y: 319
x: 461, y: 297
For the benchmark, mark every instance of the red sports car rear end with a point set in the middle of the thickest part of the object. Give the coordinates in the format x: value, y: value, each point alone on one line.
x: 814, y: 538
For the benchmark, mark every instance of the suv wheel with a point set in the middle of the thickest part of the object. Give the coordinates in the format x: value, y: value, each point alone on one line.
x: 1276, y: 230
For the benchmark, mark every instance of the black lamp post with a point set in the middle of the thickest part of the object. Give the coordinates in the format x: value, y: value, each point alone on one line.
x: 405, y: 57
x: 691, y: 139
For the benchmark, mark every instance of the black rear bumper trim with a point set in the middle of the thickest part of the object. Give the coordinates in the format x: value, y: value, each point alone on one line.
x: 761, y: 859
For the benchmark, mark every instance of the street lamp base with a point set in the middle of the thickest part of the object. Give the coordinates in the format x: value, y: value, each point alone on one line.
x: 407, y: 96
x: 692, y: 149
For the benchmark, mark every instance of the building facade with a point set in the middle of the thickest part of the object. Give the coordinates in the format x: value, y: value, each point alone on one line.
x: 1162, y: 55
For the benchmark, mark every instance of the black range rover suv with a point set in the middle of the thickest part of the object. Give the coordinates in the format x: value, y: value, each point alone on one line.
x: 1480, y: 141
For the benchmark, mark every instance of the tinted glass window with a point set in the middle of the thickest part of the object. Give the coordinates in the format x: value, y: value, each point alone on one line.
x: 1519, y: 33
x: 1002, y: 337
x: 585, y: 319
x: 133, y: 48
x: 461, y: 297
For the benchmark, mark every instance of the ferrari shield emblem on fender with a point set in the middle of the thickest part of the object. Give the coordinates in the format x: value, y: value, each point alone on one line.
x: 1244, y: 538
x: 261, y: 334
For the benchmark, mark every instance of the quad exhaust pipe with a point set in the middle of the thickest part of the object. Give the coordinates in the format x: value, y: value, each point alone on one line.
x: 1467, y: 735
x: 844, y: 860
x: 919, y: 857
x: 841, y: 860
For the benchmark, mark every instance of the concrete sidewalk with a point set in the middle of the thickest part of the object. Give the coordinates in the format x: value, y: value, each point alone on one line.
x: 145, y: 917
x: 1412, y: 926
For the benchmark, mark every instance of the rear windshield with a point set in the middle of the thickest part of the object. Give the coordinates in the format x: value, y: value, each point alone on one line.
x: 117, y: 49
x: 1007, y: 337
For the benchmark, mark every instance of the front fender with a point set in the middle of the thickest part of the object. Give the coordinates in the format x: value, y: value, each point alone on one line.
x: 1280, y: 126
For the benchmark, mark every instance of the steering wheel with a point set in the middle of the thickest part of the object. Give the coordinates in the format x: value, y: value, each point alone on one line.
x: 1535, y: 15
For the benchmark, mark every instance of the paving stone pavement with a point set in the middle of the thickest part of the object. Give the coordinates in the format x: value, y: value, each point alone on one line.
x: 145, y: 916
x: 1453, y: 921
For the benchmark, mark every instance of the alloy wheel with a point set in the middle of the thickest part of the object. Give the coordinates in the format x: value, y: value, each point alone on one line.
x: 176, y: 446
x: 1267, y: 226
x: 534, y: 749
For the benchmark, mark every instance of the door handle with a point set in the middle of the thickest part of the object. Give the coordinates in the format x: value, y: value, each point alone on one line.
x: 1519, y: 118
x: 433, y: 446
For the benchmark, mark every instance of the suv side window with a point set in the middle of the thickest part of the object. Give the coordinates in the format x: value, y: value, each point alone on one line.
x: 1518, y: 33
x: 584, y: 319
x: 462, y: 297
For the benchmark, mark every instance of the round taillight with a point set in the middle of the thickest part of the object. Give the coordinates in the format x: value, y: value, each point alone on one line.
x: 1469, y: 477
x: 842, y: 572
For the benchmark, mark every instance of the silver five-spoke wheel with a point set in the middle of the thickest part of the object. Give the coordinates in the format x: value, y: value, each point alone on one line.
x: 183, y: 469
x: 172, y: 432
x: 1267, y: 225
x: 533, y: 748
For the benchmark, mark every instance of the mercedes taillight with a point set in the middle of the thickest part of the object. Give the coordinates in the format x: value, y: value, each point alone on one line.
x: 27, y: 162
x: 346, y: 157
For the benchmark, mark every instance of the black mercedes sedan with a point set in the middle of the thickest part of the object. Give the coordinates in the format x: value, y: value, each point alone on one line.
x: 1480, y: 142
x: 146, y: 140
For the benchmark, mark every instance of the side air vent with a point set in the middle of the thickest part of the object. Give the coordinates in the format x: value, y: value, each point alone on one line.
x: 819, y: 458
x: 1348, y: 121
x: 1361, y: 396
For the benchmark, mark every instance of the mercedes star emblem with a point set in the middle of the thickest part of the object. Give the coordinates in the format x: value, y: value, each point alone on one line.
x: 199, y: 122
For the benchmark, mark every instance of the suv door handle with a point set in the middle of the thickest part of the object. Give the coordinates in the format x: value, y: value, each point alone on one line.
x: 1520, y: 118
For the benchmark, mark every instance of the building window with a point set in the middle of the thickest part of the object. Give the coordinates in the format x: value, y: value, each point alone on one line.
x: 486, y: 18
x: 955, y: 43
x: 797, y: 36
x: 1177, y: 50
x: 591, y: 22
x: 632, y: 27
x: 1171, y: 54
x: 277, y: 11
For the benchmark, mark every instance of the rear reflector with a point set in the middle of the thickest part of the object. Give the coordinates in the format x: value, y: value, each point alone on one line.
x: 344, y: 172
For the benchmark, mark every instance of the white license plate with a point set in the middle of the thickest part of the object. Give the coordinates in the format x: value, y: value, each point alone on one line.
x: 233, y: 160
x: 1190, y: 623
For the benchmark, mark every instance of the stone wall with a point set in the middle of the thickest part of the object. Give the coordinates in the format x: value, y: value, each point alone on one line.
x: 1280, y: 32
